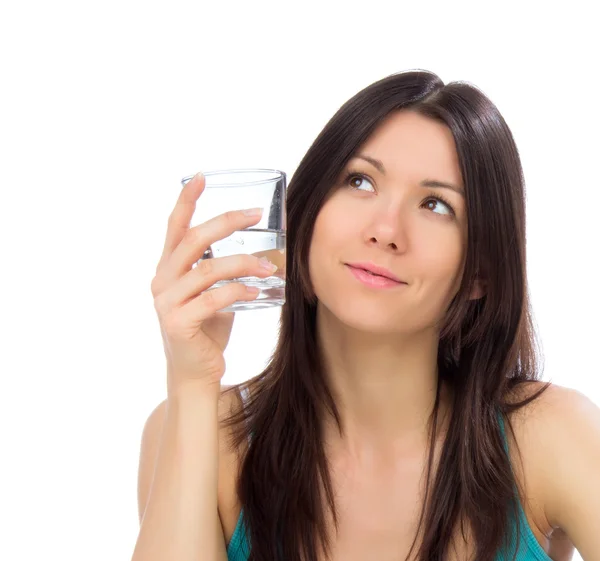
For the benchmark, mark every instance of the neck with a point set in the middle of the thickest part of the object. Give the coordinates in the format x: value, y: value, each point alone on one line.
x: 384, y: 386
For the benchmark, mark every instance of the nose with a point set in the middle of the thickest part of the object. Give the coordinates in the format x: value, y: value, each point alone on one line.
x: 388, y: 231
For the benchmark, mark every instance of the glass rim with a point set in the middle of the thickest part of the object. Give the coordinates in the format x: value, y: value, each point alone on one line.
x: 277, y: 174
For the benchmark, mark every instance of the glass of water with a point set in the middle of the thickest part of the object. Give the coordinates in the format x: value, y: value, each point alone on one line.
x: 238, y: 189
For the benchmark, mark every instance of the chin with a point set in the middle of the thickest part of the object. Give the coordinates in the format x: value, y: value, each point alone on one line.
x: 365, y: 316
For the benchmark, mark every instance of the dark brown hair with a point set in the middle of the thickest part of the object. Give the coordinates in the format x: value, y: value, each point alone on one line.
x: 487, y: 346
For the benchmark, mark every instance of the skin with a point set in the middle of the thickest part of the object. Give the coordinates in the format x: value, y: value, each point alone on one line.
x: 380, y: 348
x: 370, y: 336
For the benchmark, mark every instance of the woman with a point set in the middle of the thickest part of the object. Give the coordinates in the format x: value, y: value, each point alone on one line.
x: 401, y: 416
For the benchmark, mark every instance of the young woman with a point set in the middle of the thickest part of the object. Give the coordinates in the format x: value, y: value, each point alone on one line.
x: 401, y: 416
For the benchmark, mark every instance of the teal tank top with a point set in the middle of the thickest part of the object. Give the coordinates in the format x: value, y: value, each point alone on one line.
x: 529, y: 548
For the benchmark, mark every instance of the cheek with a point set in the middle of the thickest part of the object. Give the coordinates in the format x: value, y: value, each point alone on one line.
x: 332, y: 229
x: 329, y: 240
x: 441, y: 258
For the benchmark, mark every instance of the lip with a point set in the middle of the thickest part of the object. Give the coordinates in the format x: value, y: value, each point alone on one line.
x: 372, y: 268
x: 373, y: 281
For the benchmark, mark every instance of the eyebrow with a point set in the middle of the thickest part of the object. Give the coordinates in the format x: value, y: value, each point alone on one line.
x: 425, y: 183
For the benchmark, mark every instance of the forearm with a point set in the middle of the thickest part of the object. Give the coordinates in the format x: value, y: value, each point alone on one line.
x: 181, y: 518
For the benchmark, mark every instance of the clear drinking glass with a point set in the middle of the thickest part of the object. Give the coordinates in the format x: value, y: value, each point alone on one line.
x: 238, y: 189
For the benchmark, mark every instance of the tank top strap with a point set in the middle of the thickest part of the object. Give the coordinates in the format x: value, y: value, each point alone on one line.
x: 527, y: 545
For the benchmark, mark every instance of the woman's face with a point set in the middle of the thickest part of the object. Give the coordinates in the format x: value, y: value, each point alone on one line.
x: 394, y: 218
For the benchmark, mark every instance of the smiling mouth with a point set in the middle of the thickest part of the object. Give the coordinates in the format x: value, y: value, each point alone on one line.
x: 374, y: 274
x: 370, y: 273
x: 373, y: 280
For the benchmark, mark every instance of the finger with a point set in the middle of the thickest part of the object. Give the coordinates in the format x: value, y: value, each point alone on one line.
x: 210, y: 302
x: 181, y: 216
x: 197, y: 239
x: 205, y: 275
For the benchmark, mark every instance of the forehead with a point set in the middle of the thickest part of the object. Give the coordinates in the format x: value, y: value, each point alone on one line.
x: 412, y: 146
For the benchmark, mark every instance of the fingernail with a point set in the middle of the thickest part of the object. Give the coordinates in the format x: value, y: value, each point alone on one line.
x: 199, y: 176
x: 253, y: 212
x: 266, y: 264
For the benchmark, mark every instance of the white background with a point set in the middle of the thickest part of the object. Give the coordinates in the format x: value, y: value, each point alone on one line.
x: 106, y: 105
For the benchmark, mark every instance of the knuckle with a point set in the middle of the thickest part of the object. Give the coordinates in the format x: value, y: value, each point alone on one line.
x: 171, y: 219
x: 155, y: 286
x: 205, y: 267
x: 251, y: 263
x: 231, y: 217
x: 174, y: 222
x: 210, y: 300
x: 172, y: 324
x: 160, y: 306
x: 239, y: 290
x: 193, y: 236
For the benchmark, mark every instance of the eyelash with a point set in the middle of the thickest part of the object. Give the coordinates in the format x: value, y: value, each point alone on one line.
x: 431, y: 197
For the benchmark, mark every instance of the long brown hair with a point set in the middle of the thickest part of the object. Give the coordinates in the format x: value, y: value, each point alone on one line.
x: 487, y: 347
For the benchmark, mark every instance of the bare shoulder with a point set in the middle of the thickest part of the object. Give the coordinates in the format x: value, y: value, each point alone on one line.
x: 229, y: 402
x: 546, y: 423
x: 558, y: 437
x: 554, y: 398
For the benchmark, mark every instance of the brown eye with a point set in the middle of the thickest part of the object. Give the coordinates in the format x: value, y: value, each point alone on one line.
x: 357, y: 180
x: 438, y: 206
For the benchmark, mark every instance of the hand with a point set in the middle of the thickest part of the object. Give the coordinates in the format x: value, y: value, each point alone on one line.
x: 195, y: 334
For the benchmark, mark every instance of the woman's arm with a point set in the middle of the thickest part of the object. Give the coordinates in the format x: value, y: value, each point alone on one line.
x: 178, y: 478
x: 568, y: 426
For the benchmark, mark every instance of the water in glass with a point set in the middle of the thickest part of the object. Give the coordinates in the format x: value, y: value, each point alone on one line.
x: 238, y: 189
